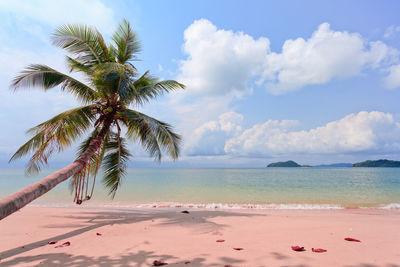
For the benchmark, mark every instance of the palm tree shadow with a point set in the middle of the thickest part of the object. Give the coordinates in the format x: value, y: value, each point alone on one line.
x: 62, y: 259
x: 88, y: 221
x: 141, y: 258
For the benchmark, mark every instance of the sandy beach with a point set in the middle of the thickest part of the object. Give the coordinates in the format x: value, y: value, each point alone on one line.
x: 139, y: 237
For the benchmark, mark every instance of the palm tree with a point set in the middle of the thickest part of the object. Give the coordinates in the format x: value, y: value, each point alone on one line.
x: 113, y: 85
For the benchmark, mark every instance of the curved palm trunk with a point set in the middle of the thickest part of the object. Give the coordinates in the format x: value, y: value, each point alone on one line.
x: 16, y: 201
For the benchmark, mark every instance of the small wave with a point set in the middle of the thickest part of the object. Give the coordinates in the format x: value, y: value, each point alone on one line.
x: 177, y: 205
x: 222, y: 206
x: 391, y: 206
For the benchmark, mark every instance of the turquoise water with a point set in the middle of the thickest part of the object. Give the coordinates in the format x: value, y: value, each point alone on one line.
x: 268, y: 188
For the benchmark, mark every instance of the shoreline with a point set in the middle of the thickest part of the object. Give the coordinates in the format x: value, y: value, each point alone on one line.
x: 209, y: 206
x: 138, y: 237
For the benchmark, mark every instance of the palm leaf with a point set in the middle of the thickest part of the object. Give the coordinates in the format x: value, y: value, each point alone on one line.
x: 114, y: 163
x: 154, y: 135
x: 55, y: 135
x: 126, y: 42
x: 85, y: 42
x: 148, y: 87
x: 45, y: 77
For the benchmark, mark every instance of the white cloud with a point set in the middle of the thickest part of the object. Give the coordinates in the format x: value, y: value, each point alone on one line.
x: 209, y: 138
x: 393, y: 79
x: 222, y: 62
x: 326, y: 55
x: 54, y: 13
x: 362, y: 132
x: 391, y: 31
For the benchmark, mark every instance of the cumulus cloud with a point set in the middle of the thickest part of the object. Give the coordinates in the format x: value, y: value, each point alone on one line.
x: 55, y: 13
x: 362, y: 132
x: 326, y: 55
x: 209, y: 138
x: 222, y: 62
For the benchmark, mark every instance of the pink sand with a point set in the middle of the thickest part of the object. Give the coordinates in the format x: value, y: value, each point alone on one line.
x: 138, y: 238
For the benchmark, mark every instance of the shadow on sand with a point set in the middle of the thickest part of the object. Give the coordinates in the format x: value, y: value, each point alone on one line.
x: 88, y: 221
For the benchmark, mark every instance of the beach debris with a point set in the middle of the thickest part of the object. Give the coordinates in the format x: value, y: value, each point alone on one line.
x: 187, y: 262
x: 220, y: 240
x: 318, y: 250
x: 238, y: 248
x: 298, y: 248
x: 98, y: 234
x: 227, y: 265
x: 65, y: 244
x: 185, y: 211
x: 159, y: 263
x: 52, y: 242
x: 352, y: 239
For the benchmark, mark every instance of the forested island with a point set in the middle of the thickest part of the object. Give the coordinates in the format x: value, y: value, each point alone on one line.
x: 289, y: 163
x: 368, y: 163
x: 378, y: 163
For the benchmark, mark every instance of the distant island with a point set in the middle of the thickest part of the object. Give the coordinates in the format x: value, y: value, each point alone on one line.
x: 289, y: 163
x: 368, y: 163
x: 378, y: 163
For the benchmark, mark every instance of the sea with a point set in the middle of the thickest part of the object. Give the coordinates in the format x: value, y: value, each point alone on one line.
x: 264, y: 188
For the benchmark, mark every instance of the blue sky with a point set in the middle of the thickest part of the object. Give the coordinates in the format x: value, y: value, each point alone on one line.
x: 313, y: 81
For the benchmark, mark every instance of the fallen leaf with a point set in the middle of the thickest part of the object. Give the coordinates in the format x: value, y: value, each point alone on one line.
x: 352, y: 239
x: 220, y: 240
x: 238, y: 248
x: 318, y: 250
x: 52, y: 242
x: 298, y: 248
x: 98, y: 234
x: 185, y: 211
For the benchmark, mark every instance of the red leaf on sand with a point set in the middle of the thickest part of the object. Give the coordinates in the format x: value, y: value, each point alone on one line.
x: 159, y: 263
x: 318, y: 250
x: 52, y: 242
x: 65, y: 244
x: 352, y: 239
x: 187, y: 262
x: 297, y: 248
x: 220, y: 240
x: 238, y: 248
x: 98, y: 234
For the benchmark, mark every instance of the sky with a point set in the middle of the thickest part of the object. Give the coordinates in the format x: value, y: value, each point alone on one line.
x: 312, y: 81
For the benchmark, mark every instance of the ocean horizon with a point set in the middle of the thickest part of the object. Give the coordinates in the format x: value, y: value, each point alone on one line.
x: 230, y: 188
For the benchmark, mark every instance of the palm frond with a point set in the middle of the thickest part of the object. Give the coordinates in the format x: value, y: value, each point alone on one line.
x: 42, y: 76
x: 54, y: 135
x: 114, y: 163
x: 148, y: 87
x: 75, y: 65
x: 85, y: 42
x: 154, y: 135
x: 126, y: 41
